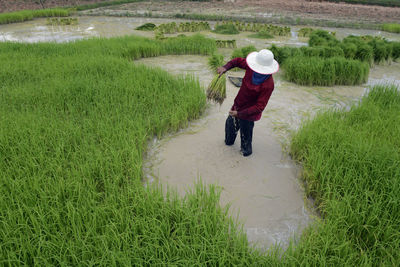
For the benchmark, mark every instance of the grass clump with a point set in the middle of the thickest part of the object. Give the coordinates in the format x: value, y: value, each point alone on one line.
x: 215, y: 61
x: 325, y: 71
x: 104, y: 4
x: 20, y: 16
x: 322, y: 38
x: 226, y: 29
x: 350, y: 161
x: 146, y: 27
x: 391, y: 27
x: 226, y: 43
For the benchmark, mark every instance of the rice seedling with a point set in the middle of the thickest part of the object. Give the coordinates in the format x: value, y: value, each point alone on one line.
x: 62, y: 21
x: 350, y: 161
x: 305, y: 32
x: 104, y: 4
x: 215, y: 61
x: 226, y: 43
x: 226, y: 29
x: 391, y: 27
x: 325, y: 71
x: 216, y: 91
x: 322, y: 38
x: 20, y: 16
x: 395, y: 50
x: 146, y: 27
x: 76, y: 119
x: 262, y: 35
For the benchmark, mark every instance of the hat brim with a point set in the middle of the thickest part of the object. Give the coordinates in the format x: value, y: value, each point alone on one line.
x: 251, y: 62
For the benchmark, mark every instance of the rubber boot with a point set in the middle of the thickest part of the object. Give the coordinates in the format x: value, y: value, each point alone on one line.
x: 231, y: 130
x: 246, y: 137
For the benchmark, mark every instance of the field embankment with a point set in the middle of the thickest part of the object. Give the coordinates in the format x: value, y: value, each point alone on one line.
x: 351, y: 168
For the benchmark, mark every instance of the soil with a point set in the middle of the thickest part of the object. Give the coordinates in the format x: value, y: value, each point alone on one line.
x: 15, y: 5
x: 298, y: 8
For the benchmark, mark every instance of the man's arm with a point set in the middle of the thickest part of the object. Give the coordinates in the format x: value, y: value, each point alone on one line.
x: 236, y: 62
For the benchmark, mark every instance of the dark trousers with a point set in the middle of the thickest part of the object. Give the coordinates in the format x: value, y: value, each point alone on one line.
x: 232, y: 126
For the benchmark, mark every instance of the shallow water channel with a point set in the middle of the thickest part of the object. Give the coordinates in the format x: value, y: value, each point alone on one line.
x: 264, y: 190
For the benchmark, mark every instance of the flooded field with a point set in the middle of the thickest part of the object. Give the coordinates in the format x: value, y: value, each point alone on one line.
x: 264, y: 189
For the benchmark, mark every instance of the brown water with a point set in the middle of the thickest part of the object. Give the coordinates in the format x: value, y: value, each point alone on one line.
x: 263, y: 189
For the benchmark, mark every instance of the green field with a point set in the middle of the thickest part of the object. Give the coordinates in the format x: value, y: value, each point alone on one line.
x: 351, y: 169
x: 24, y: 15
x: 76, y: 119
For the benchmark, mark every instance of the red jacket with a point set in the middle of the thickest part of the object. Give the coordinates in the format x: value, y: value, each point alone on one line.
x: 251, y: 99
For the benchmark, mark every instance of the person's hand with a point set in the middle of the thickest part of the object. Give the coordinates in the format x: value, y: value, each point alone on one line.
x: 221, y: 70
x: 233, y: 113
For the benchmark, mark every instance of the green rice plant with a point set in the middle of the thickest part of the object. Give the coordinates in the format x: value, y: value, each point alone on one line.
x: 226, y: 29
x: 382, y: 50
x: 76, y: 119
x: 395, y: 50
x: 62, y: 21
x: 322, y: 38
x: 226, y: 43
x: 349, y: 50
x: 262, y: 35
x: 104, y: 4
x: 215, y: 61
x: 350, y: 158
x: 365, y: 53
x: 305, y: 32
x: 282, y: 53
x: 243, y: 52
x: 325, y: 71
x: 146, y: 27
x: 216, y: 91
x: 20, y: 16
x: 391, y: 27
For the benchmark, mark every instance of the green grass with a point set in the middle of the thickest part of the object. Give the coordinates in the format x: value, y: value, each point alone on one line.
x: 215, y: 61
x: 305, y: 32
x: 391, y: 27
x: 76, y: 119
x: 146, y: 27
x: 325, y: 71
x: 20, y: 16
x: 351, y: 167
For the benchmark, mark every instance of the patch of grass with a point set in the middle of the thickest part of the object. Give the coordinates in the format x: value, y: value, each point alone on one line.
x: 391, y: 27
x: 325, y: 71
x: 226, y: 43
x: 146, y: 27
x: 226, y: 29
x: 322, y: 38
x: 350, y: 161
x: 20, y: 16
x: 262, y: 35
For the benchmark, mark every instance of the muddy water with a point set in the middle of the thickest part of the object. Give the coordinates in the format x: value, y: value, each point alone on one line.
x: 90, y: 26
x: 263, y: 189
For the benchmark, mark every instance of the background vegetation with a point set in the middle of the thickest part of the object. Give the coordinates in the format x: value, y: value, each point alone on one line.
x: 393, y: 3
x: 25, y: 15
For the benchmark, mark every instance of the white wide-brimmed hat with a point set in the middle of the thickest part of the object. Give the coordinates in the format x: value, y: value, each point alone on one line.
x: 262, y: 62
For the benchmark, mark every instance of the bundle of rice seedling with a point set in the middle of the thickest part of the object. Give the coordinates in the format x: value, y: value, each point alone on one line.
x: 216, y: 91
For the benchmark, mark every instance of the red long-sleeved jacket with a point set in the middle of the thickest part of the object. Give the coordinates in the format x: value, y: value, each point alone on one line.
x: 251, y: 99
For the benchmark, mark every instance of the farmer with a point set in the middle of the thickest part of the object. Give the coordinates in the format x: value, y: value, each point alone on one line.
x: 253, y: 96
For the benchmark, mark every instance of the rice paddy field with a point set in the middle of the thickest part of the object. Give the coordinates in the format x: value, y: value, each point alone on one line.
x: 77, y: 118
